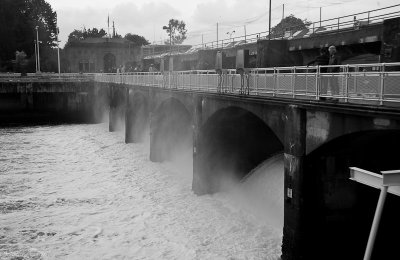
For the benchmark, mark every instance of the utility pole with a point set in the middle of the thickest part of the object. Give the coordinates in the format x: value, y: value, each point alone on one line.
x: 58, y: 52
x: 108, y: 25
x: 320, y: 16
x: 217, y: 35
x: 38, y: 48
x: 283, y: 11
x: 230, y: 35
x: 269, y: 23
x: 245, y: 34
x: 170, y: 36
x: 36, y: 55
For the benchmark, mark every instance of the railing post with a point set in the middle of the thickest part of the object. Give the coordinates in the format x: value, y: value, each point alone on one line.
x: 275, y: 82
x: 294, y: 82
x: 338, y: 23
x: 381, y: 97
x: 169, y: 79
x: 256, y: 81
x: 306, y: 93
x: 346, y: 90
x: 317, y: 83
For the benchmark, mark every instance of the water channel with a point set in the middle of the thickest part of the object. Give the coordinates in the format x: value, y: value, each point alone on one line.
x: 80, y: 192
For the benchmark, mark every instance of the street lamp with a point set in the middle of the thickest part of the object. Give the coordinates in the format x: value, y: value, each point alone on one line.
x: 58, y: 51
x: 35, y: 56
x: 230, y: 34
x: 38, y: 53
x: 170, y: 36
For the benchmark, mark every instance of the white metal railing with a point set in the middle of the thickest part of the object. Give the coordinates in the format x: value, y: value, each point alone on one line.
x: 51, y: 77
x: 362, y: 83
x: 353, y: 21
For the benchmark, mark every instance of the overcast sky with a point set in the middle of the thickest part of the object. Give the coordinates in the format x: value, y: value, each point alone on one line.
x: 147, y: 17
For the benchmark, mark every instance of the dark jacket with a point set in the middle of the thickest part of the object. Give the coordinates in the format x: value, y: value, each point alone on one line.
x: 333, y: 60
x: 320, y: 60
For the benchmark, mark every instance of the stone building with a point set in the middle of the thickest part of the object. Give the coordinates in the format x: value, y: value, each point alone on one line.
x: 101, y: 55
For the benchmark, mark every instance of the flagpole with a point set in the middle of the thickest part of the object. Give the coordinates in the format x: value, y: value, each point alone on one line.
x: 108, y: 25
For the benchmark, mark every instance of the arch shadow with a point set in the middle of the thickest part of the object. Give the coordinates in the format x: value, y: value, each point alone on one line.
x: 171, y: 131
x: 340, y: 211
x: 137, y: 119
x: 231, y: 143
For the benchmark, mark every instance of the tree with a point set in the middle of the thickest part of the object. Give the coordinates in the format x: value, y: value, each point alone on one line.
x: 289, y: 23
x: 20, y: 62
x: 94, y: 33
x: 137, y: 40
x: 78, y: 35
x: 18, y: 19
x: 176, y: 31
x: 42, y: 15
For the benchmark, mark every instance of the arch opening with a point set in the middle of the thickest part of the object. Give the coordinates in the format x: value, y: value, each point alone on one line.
x: 109, y: 61
x: 171, y: 132
x: 340, y: 211
x: 137, y: 119
x: 117, y: 102
x: 232, y: 143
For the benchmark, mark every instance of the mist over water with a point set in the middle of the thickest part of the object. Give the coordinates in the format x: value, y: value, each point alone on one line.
x: 80, y: 192
x: 260, y: 193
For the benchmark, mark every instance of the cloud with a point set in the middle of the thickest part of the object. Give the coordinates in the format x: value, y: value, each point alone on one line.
x: 146, y: 20
x: 130, y: 15
x: 228, y: 12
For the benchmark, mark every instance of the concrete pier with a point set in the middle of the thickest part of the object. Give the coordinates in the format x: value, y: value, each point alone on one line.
x: 326, y: 216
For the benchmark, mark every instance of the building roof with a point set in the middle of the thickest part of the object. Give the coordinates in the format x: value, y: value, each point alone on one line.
x: 100, y: 42
x: 103, y: 40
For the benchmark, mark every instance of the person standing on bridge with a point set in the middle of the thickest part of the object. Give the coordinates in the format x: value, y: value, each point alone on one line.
x: 322, y: 60
x: 333, y: 62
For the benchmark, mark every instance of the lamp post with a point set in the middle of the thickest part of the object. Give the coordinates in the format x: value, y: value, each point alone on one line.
x: 170, y: 37
x: 269, y: 21
x: 35, y: 56
x: 230, y: 34
x: 38, y: 52
x: 58, y: 51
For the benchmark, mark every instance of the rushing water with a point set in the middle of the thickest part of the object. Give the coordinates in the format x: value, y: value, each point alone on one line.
x: 80, y: 192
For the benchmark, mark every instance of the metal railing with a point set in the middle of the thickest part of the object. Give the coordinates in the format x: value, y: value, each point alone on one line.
x: 362, y: 83
x: 46, y: 77
x: 347, y: 22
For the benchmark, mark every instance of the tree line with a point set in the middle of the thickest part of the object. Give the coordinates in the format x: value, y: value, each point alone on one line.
x: 79, y: 35
x: 19, y: 18
x: 18, y: 22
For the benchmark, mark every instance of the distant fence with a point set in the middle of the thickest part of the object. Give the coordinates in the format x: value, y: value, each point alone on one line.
x: 347, y: 22
x: 46, y: 77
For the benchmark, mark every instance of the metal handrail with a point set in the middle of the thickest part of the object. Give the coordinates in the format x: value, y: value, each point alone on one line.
x: 328, y: 24
x: 378, y: 86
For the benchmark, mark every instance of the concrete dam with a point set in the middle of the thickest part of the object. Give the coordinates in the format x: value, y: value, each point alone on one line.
x: 231, y: 134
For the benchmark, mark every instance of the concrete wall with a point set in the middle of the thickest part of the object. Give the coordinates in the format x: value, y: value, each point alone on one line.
x: 32, y: 102
x: 326, y: 216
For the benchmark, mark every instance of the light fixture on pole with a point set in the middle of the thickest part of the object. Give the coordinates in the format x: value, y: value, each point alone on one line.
x: 36, y: 65
x: 38, y: 52
x: 58, y: 51
x: 170, y: 63
x: 230, y: 34
x: 387, y: 182
x: 170, y: 36
x: 269, y: 21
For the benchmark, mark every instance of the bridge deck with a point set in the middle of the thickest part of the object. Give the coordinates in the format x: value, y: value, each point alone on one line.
x: 372, y: 84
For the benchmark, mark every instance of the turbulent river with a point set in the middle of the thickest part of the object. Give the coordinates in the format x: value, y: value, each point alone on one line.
x: 80, y: 192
